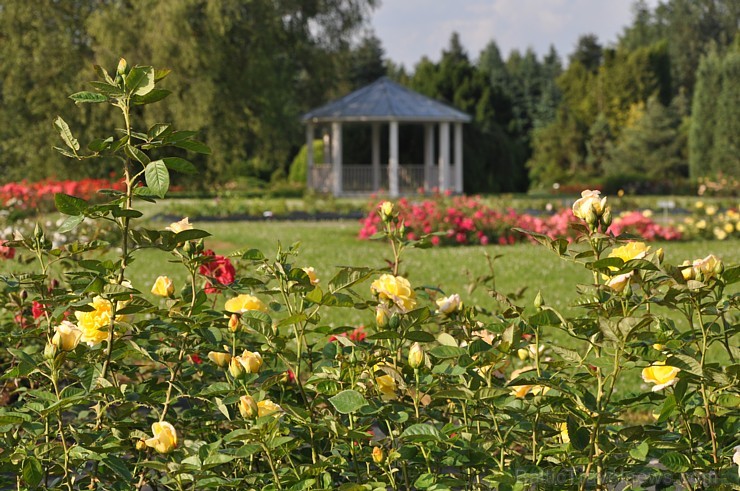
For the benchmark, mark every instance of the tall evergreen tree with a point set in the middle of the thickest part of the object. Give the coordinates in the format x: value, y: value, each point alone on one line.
x: 704, y: 115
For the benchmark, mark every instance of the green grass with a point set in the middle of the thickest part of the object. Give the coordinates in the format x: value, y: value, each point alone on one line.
x: 328, y: 245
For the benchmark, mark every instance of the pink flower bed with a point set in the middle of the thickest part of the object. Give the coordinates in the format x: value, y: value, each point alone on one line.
x: 467, y: 220
x: 34, y: 195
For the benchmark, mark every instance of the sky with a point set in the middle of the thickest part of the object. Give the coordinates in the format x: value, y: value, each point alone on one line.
x: 410, y: 29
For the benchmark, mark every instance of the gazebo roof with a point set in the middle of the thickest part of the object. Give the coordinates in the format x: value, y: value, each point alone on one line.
x: 385, y: 100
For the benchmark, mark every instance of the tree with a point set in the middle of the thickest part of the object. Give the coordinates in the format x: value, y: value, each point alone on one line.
x: 704, y: 115
x: 651, y: 149
x: 588, y: 52
x: 366, y: 62
x: 41, y: 58
x: 726, y: 150
x: 246, y: 70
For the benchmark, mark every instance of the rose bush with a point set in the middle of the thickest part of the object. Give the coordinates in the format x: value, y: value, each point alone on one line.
x: 460, y: 220
x: 251, y: 388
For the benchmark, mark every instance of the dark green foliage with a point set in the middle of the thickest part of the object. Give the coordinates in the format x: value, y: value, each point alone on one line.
x: 715, y: 132
x: 651, y: 149
x: 247, y: 70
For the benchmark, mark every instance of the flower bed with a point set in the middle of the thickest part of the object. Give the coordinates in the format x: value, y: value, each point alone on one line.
x: 40, y: 195
x: 462, y: 220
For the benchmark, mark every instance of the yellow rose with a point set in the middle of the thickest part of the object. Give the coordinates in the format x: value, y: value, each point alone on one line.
x: 178, y: 227
x: 236, y: 369
x: 387, y: 211
x: 94, y: 324
x: 267, y: 407
x: 382, y: 316
x: 163, y: 287
x: 378, y: 455
x: 243, y: 303
x: 165, y: 437
x: 521, y: 391
x: 687, y: 270
x: 220, y: 359
x: 619, y: 282
x: 250, y: 361
x: 589, y: 201
x: 312, y: 275
x: 416, y: 355
x: 711, y: 210
x: 661, y: 375
x: 234, y: 322
x: 728, y: 227
x: 395, y: 289
x: 564, y: 436
x: 66, y: 336
x: 709, y: 267
x: 629, y: 251
x: 448, y: 305
x: 247, y: 407
x: 387, y: 387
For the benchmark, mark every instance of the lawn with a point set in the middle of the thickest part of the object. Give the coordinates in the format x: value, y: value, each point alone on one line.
x: 329, y: 244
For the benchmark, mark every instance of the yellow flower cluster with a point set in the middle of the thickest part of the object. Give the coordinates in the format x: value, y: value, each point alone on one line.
x: 395, y: 290
x: 712, y: 223
x: 94, y: 324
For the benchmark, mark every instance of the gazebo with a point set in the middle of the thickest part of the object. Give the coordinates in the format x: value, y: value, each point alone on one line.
x: 386, y: 102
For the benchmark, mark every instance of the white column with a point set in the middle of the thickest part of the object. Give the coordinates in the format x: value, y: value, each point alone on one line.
x: 428, y: 155
x: 309, y: 155
x: 444, y: 156
x: 336, y: 157
x: 327, y: 146
x: 458, y: 158
x: 393, y: 160
x: 376, y: 156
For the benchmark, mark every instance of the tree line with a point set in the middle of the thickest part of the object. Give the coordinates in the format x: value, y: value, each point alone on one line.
x: 652, y: 111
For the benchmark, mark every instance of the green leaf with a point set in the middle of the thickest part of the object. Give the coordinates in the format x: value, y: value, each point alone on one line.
x: 731, y: 275
x: 607, y: 263
x: 420, y: 336
x: 567, y: 354
x: 348, y: 401
x: 118, y: 466
x: 69, y: 205
x: 675, y: 462
x: 421, y: 433
x: 346, y: 277
x: 685, y: 363
x: 669, y: 406
x: 136, y: 154
x: 155, y: 95
x: 192, y: 234
x: 70, y: 223
x: 33, y: 472
x: 157, y: 177
x: 544, y: 318
x: 193, y: 146
x: 66, y: 134
x: 445, y: 352
x: 102, y: 73
x: 98, y: 144
x: 107, y: 89
x: 180, y: 165
x: 580, y: 438
x: 82, y: 97
x: 640, y: 452
x: 140, y: 80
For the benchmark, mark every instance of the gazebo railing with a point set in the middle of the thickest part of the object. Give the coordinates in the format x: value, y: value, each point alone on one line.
x: 358, y: 178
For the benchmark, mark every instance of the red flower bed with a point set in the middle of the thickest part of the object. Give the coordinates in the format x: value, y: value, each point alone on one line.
x: 40, y: 195
x: 467, y: 220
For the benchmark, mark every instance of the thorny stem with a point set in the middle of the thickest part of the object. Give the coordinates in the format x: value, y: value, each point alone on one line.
x: 705, y: 398
x: 60, y: 425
